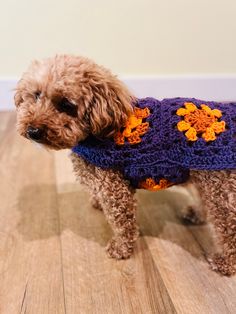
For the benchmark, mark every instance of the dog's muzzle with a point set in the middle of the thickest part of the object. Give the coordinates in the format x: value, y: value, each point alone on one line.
x: 35, y: 134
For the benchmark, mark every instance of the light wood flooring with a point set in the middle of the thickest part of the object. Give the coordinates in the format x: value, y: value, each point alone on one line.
x: 52, y: 257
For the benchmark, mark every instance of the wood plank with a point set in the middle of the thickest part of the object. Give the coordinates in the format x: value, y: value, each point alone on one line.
x: 7, y: 121
x: 30, y: 257
x: 93, y: 282
x: 179, y: 252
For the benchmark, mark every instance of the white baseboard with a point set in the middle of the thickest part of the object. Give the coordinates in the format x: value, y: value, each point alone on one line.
x: 7, y: 86
x: 205, y: 87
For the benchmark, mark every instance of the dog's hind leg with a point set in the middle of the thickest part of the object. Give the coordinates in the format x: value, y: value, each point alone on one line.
x: 95, y: 202
x: 116, y: 198
x: 193, y: 213
x: 218, y: 192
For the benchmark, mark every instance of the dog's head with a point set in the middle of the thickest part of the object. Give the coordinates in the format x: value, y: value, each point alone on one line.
x: 61, y: 100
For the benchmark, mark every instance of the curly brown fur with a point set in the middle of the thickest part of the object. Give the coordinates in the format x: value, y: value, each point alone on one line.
x: 67, y: 98
x: 102, y: 102
x: 218, y: 192
x: 118, y: 204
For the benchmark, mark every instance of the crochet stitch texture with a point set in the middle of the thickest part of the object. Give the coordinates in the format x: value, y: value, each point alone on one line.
x: 165, y: 154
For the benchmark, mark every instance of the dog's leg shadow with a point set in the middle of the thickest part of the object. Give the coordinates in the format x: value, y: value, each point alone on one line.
x: 159, y: 219
x: 45, y: 212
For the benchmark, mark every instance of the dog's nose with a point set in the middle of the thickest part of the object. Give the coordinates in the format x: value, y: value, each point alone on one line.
x: 35, y: 134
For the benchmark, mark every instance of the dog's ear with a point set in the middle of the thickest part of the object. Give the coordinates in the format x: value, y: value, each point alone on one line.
x: 109, y: 108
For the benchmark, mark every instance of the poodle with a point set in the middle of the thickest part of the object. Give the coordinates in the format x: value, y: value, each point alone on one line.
x: 120, y: 143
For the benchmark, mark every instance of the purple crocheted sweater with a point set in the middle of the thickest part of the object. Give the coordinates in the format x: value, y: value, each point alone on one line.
x: 182, y: 135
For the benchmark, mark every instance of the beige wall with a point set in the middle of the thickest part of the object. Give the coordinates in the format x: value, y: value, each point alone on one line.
x: 129, y: 36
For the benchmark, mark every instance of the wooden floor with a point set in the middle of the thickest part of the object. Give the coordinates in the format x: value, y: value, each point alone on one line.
x: 52, y: 257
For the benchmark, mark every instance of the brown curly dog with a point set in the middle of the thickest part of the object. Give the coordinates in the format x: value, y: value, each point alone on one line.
x: 62, y: 100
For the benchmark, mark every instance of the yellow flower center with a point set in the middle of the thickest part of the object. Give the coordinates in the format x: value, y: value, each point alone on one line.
x: 200, y: 120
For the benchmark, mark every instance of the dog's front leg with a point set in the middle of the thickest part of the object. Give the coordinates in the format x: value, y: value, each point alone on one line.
x: 218, y: 192
x: 119, y: 208
x: 116, y: 197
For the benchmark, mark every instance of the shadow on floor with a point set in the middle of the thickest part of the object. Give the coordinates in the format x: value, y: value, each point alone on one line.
x: 44, y: 213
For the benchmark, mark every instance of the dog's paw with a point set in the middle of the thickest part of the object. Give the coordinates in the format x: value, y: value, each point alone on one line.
x: 119, y: 249
x: 95, y: 204
x: 222, y: 264
x: 190, y: 216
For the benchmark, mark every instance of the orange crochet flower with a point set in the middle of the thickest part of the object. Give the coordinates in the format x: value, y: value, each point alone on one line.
x: 200, y: 122
x: 134, y: 127
x: 151, y: 185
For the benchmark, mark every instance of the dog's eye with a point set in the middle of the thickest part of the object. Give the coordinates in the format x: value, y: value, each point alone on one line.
x: 37, y: 95
x: 64, y: 105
